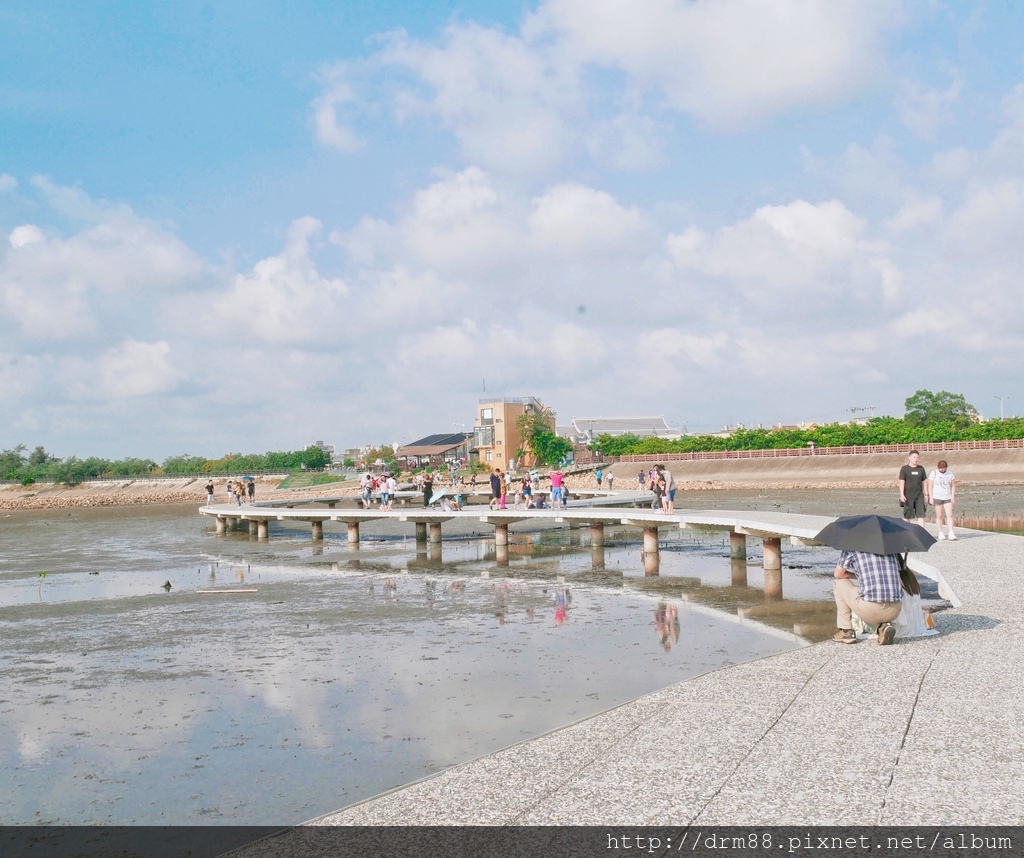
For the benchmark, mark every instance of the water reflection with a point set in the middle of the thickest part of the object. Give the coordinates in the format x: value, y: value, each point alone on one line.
x: 347, y: 671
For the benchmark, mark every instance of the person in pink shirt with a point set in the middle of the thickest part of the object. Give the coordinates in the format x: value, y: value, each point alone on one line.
x: 557, y: 478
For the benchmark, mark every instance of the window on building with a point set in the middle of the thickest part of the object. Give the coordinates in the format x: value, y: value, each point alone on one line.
x: 486, y: 416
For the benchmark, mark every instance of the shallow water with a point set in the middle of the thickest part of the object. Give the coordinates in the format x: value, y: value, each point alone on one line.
x: 347, y: 672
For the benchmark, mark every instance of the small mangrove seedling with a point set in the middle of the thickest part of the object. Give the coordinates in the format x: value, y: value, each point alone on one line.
x: 167, y: 586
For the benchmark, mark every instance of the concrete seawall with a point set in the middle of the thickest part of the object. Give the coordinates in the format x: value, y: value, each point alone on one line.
x: 970, y: 466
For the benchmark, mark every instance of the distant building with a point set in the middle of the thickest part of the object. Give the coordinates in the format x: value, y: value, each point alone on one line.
x: 436, y: 450
x: 496, y: 436
x: 586, y: 430
x: 327, y: 448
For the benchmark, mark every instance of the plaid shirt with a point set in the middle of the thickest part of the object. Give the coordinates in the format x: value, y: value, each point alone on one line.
x: 878, y: 575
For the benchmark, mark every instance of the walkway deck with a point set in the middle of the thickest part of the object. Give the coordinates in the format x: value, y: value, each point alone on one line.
x: 929, y: 731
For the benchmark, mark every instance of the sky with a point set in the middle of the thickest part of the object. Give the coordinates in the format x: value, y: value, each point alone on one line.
x: 240, y: 227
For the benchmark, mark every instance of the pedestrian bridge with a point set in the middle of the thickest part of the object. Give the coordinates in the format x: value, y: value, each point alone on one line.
x: 772, y: 528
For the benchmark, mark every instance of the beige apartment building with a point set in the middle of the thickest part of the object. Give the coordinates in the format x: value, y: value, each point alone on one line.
x: 496, y: 436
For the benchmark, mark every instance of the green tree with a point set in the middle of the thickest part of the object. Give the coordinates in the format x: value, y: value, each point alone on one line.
x: 39, y: 456
x: 12, y: 462
x: 539, y: 439
x: 925, y: 408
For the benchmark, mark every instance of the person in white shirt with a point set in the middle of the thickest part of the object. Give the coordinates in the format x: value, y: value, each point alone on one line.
x: 943, y: 496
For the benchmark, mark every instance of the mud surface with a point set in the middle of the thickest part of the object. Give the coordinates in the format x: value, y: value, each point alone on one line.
x: 347, y: 672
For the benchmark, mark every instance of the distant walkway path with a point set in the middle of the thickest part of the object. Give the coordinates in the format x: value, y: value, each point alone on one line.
x: 928, y: 731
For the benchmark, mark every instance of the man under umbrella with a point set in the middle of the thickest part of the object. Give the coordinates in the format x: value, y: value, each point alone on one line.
x: 867, y: 576
x: 868, y: 585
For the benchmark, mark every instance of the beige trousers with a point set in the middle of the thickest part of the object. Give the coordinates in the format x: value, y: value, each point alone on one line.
x: 848, y: 601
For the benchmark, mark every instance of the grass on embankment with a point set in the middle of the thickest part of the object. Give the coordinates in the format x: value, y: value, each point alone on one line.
x: 305, y: 481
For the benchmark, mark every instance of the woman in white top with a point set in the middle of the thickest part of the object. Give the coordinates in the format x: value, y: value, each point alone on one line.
x: 943, y: 496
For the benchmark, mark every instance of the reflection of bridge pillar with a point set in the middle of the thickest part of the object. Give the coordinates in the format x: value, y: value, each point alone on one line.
x: 435, y: 533
x: 222, y: 524
x: 597, y: 534
x: 421, y: 531
x: 597, y: 556
x: 652, y: 558
x: 353, y: 534
x: 501, y: 554
x: 773, y: 553
x: 252, y: 527
x: 737, y: 545
x: 434, y: 550
x: 739, y: 571
x: 263, y: 529
x: 773, y: 583
x: 318, y: 530
x: 501, y: 534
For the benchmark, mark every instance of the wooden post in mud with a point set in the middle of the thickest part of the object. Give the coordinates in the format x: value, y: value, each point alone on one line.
x: 318, y: 530
x: 737, y: 544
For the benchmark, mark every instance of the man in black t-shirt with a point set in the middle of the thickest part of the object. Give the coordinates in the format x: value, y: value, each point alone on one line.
x: 915, y: 489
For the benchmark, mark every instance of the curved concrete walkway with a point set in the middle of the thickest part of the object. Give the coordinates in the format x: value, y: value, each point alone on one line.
x: 929, y: 731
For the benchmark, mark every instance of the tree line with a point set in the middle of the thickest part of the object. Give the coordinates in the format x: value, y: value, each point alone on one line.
x: 40, y: 466
x: 929, y: 418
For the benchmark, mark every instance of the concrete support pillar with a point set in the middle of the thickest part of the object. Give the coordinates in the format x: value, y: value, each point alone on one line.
x: 739, y: 571
x: 252, y: 527
x: 773, y: 553
x: 773, y: 584
x: 222, y: 524
x: 597, y: 534
x: 318, y: 531
x: 574, y: 524
x: 421, y: 531
x: 263, y: 529
x: 652, y: 556
x: 501, y: 534
x: 331, y: 504
x: 353, y: 534
x: 501, y: 554
x: 738, y: 545
x: 597, y: 556
x: 435, y: 533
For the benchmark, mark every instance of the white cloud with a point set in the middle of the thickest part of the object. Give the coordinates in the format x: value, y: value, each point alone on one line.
x: 7, y: 182
x: 916, y: 212
x: 925, y: 111
x: 328, y: 126
x: 283, y: 299
x: 137, y: 369
x: 574, y: 220
x: 55, y: 287
x: 799, y: 247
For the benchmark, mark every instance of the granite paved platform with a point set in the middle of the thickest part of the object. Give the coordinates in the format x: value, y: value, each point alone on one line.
x: 929, y: 731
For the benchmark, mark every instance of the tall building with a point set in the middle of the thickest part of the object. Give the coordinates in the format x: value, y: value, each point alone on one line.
x: 496, y: 436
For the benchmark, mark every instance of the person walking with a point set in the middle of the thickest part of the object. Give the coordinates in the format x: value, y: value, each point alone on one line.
x: 250, y: 489
x: 915, y: 490
x: 867, y: 585
x: 428, y: 488
x: 209, y: 493
x: 943, y: 484
x: 599, y: 475
x: 495, y: 488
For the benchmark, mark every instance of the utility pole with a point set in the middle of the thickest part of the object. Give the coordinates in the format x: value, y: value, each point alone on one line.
x: 1001, y: 398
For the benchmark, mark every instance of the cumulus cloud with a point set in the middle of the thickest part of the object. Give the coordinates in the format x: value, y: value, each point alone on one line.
x: 284, y: 299
x: 784, y: 250
x: 925, y: 111
x: 57, y: 287
x: 525, y: 102
x: 7, y: 182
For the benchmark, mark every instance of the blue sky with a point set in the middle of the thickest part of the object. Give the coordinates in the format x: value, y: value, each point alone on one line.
x: 240, y: 227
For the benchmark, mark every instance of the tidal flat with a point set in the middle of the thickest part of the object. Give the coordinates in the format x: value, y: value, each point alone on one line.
x: 347, y: 672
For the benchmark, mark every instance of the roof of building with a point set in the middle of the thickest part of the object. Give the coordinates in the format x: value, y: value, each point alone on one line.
x: 593, y: 427
x: 434, y: 445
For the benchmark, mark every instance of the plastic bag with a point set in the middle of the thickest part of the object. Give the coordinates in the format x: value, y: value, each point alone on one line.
x: 913, y: 621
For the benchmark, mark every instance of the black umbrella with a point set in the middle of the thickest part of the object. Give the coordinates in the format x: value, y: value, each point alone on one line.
x: 875, y: 534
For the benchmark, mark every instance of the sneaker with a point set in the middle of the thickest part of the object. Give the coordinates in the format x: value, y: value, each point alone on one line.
x: 845, y: 636
x: 952, y: 535
x: 942, y: 536
x: 886, y: 633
